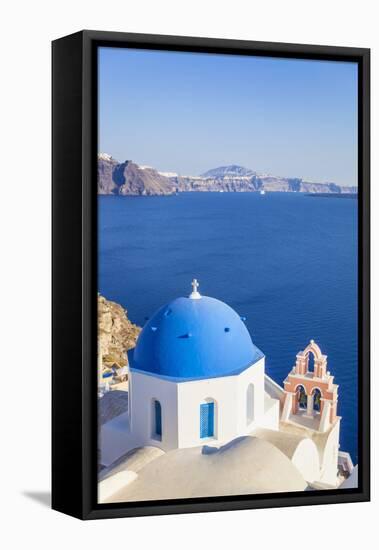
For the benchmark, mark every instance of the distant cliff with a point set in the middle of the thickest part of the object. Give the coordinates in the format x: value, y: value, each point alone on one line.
x: 128, y: 178
x: 116, y: 334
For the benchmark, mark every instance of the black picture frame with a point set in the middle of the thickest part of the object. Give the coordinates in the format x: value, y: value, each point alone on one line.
x: 74, y: 333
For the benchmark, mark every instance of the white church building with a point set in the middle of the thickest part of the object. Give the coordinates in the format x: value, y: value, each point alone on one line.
x: 197, y: 386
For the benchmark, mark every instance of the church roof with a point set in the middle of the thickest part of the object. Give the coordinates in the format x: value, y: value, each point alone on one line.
x: 193, y: 338
x: 246, y: 465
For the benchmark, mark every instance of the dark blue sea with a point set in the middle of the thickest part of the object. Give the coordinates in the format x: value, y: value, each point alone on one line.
x: 287, y: 262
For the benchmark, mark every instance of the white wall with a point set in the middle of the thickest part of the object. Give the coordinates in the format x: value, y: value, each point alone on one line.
x: 306, y: 460
x: 191, y: 394
x: 145, y: 389
x: 254, y: 375
x: 180, y: 404
x: 115, y: 439
x: 224, y: 392
x: 27, y: 28
x: 330, y: 456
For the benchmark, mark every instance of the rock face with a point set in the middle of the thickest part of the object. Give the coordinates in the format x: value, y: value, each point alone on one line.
x: 116, y: 334
x: 105, y: 166
x: 128, y: 178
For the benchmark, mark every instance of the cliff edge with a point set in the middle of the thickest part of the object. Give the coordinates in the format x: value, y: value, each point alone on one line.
x: 116, y: 333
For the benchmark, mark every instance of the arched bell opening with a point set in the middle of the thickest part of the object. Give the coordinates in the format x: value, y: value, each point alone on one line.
x: 311, y: 362
x: 301, y: 398
x: 316, y: 394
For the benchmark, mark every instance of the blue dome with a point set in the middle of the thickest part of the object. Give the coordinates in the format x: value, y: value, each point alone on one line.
x: 194, y: 339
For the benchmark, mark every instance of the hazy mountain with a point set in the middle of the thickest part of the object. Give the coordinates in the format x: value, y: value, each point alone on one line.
x: 129, y: 178
x: 233, y: 170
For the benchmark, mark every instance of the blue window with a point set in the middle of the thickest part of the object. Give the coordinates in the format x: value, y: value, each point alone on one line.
x: 206, y: 420
x: 158, y: 419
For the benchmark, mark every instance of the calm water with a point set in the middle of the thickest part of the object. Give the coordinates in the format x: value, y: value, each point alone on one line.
x: 286, y: 262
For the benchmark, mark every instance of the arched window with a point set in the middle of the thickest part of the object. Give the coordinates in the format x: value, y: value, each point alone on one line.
x: 157, y: 420
x: 249, y: 404
x: 207, y: 419
x: 311, y: 362
x: 301, y: 397
x: 316, y: 399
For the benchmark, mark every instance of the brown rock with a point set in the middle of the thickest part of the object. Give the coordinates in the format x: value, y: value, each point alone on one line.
x: 116, y: 333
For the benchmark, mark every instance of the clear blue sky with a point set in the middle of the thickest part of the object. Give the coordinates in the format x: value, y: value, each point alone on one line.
x: 187, y: 113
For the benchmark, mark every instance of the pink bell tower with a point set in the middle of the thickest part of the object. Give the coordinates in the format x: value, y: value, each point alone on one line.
x: 311, y: 396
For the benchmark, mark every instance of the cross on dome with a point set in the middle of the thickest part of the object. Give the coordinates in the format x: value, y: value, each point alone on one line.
x: 195, y: 295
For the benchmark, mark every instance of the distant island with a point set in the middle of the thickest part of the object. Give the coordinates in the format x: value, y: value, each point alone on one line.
x: 129, y: 178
